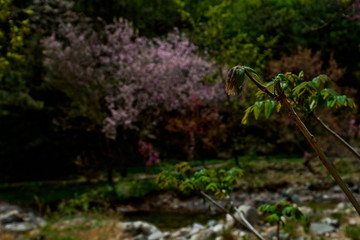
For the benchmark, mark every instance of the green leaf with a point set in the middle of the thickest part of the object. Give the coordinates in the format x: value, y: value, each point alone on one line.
x: 329, y: 93
x: 312, y: 85
x: 246, y: 116
x: 301, y: 75
x: 351, y: 103
x: 269, y: 84
x: 257, y: 109
x: 296, y: 214
x: 220, y: 194
x: 313, y: 105
x: 305, y: 220
x: 328, y: 102
x: 264, y: 208
x: 333, y: 102
x: 212, y: 187
x: 230, y: 179
x: 298, y: 88
x: 250, y: 70
x: 202, y: 172
x: 274, y: 218
x: 187, y: 185
x: 341, y: 99
x: 203, y: 180
x: 287, y: 211
x: 269, y: 107
x: 281, y: 78
x: 316, y: 81
x: 237, y: 172
x: 240, y: 78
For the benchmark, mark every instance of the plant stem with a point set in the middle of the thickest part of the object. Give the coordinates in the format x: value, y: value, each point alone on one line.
x: 346, y: 144
x: 311, y: 139
x: 242, y: 221
x: 260, y: 85
x: 278, y: 230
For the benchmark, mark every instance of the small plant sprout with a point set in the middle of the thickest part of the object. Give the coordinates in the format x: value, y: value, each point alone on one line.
x: 279, y: 211
x: 288, y: 94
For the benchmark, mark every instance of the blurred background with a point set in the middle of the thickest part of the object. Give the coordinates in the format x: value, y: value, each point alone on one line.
x: 88, y: 83
x: 97, y: 92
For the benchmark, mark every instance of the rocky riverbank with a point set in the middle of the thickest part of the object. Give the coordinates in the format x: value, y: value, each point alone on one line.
x: 331, y: 217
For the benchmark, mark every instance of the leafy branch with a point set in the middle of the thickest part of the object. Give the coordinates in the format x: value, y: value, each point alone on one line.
x: 280, y: 86
x: 307, y: 97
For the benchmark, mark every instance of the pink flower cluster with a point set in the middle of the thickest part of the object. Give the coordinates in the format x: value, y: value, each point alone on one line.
x: 151, y: 157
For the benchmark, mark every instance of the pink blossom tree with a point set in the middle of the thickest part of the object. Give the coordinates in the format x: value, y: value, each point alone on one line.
x: 118, y: 80
x: 151, y: 76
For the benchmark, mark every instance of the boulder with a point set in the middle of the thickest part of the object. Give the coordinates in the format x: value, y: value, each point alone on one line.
x: 197, y: 225
x: 250, y: 213
x: 211, y: 223
x: 204, y: 235
x: 15, y: 219
x: 10, y: 217
x: 321, y: 228
x: 331, y: 221
x: 156, y: 236
x: 218, y: 228
x: 19, y: 227
x: 138, y: 228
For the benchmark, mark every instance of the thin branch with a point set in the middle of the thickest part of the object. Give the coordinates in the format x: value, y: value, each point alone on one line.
x: 260, y: 85
x: 346, y: 144
x: 242, y: 221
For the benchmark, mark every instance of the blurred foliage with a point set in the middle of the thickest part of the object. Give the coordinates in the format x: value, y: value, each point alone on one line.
x: 215, y: 181
x: 14, y: 89
x: 270, y: 35
x: 353, y: 232
x: 304, y: 60
x: 282, y: 211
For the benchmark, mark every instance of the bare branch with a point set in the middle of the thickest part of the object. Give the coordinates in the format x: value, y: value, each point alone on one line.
x: 242, y: 221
